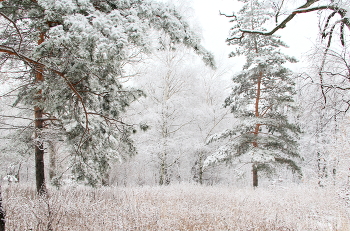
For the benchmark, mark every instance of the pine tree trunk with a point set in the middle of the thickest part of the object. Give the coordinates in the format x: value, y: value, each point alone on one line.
x: 39, y: 154
x: 257, y: 127
x: 39, y: 124
x: 2, y: 214
x: 255, y: 175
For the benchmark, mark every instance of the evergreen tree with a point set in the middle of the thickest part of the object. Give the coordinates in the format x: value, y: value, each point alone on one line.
x: 261, y: 99
x: 69, y: 56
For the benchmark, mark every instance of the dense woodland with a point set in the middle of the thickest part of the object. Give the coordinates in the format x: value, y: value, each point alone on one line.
x: 122, y: 93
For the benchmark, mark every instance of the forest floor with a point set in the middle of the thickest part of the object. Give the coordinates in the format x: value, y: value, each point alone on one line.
x: 176, y: 207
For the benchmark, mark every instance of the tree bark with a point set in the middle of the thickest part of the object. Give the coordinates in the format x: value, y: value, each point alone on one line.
x: 39, y: 154
x: 2, y: 214
x: 163, y: 178
x: 255, y: 175
x: 257, y: 127
x: 201, y: 168
x: 39, y: 124
x: 52, y: 170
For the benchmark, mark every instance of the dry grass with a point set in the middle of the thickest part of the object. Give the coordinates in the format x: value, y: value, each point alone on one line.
x: 176, y: 207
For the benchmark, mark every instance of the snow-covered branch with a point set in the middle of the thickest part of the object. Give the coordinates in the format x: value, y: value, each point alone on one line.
x: 306, y: 8
x: 38, y: 65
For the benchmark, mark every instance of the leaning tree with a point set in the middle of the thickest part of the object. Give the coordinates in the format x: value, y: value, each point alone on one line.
x: 69, y: 57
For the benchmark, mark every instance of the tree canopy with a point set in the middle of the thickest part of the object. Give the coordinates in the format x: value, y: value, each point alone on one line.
x: 69, y: 58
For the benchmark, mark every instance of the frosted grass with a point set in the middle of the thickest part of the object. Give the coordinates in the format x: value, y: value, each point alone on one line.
x: 176, y: 207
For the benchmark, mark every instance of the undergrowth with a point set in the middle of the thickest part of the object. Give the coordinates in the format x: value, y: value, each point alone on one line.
x: 175, y: 207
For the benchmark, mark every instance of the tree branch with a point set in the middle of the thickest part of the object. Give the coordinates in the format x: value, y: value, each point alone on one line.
x: 18, y: 31
x: 39, y: 65
x: 228, y: 16
x: 302, y: 9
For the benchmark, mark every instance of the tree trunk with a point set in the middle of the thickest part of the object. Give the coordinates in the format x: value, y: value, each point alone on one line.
x: 52, y: 171
x: 2, y: 214
x: 201, y: 168
x: 39, y: 124
x: 255, y: 175
x: 39, y: 153
x: 257, y: 127
x: 163, y: 178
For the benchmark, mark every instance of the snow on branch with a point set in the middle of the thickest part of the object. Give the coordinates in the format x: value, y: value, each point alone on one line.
x: 15, y: 26
x: 38, y: 65
x: 302, y: 9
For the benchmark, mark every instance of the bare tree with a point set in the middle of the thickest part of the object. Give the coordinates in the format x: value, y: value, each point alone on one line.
x: 338, y: 7
x: 167, y: 90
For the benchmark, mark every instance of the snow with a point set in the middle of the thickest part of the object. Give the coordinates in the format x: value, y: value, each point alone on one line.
x: 10, y: 179
x: 176, y: 207
x: 216, y: 157
x: 70, y: 126
x: 347, y: 9
x: 111, y: 48
x: 260, y: 156
x: 62, y: 5
x: 84, y: 4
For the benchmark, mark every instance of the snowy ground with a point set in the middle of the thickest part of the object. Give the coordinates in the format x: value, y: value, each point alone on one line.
x: 177, y: 207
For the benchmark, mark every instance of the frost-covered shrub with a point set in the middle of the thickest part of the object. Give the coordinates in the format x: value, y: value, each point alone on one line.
x: 176, y: 207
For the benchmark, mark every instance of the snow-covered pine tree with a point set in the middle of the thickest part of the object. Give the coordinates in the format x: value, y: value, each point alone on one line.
x: 69, y: 56
x: 261, y: 99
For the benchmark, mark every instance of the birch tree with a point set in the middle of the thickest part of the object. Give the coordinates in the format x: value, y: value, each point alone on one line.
x: 166, y: 108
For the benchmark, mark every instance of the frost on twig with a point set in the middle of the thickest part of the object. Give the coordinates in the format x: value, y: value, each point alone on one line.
x: 342, y: 10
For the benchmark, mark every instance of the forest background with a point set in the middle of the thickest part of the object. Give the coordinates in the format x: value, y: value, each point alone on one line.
x: 196, y: 105
x: 169, y: 104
